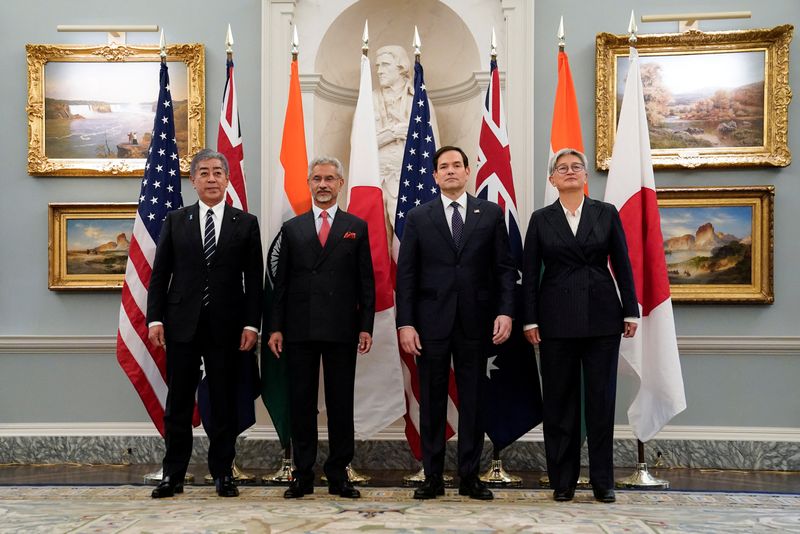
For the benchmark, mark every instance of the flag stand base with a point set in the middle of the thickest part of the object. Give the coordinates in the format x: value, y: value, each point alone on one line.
x: 419, y: 477
x: 642, y: 479
x: 155, y: 477
x: 353, y: 476
x: 282, y: 476
x: 240, y: 477
x: 497, y: 476
x: 583, y: 482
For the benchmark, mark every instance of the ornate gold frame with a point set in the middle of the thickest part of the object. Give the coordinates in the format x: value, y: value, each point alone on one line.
x: 192, y: 55
x: 777, y: 94
x: 57, y: 217
x: 761, y: 200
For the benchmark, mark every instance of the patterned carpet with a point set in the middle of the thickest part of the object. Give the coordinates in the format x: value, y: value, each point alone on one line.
x: 128, y: 509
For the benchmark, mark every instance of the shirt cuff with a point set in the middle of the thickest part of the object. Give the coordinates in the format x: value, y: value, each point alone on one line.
x: 251, y: 328
x: 405, y: 326
x: 530, y: 327
x: 634, y: 320
x: 154, y: 323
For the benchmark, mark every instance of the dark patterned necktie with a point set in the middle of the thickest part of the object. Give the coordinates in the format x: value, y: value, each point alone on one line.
x: 457, y: 223
x: 209, y: 246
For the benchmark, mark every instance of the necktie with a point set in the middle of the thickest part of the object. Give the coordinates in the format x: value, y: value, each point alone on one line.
x: 457, y: 223
x: 209, y: 246
x: 324, y: 229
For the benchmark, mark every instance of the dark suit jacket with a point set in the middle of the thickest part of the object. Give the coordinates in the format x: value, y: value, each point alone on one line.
x: 235, y: 275
x: 324, y: 294
x: 437, y: 282
x: 576, y: 296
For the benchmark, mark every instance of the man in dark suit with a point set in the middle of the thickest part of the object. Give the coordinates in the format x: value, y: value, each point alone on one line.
x: 324, y: 307
x: 575, y: 314
x: 204, y: 300
x: 455, y: 283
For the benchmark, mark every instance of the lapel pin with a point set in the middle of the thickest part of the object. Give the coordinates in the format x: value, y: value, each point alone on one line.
x: 476, y: 211
x: 190, y: 216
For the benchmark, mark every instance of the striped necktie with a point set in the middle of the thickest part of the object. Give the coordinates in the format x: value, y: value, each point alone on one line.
x: 209, y: 246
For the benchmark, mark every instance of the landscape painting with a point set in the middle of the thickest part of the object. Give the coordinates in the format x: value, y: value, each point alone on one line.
x: 718, y: 243
x: 98, y: 246
x: 89, y: 244
x: 712, y: 99
x: 708, y: 245
x: 91, y: 108
x: 106, y: 110
x: 701, y: 100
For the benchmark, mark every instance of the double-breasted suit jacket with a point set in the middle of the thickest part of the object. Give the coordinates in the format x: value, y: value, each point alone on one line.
x: 576, y: 296
x: 324, y: 293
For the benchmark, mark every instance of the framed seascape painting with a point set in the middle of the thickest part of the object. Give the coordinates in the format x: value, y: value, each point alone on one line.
x: 88, y: 244
x: 91, y: 108
x: 718, y: 243
x: 716, y: 99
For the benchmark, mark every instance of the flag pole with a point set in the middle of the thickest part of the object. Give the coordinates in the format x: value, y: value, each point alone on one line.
x: 156, y: 476
x: 284, y: 475
x: 641, y: 477
x: 496, y: 475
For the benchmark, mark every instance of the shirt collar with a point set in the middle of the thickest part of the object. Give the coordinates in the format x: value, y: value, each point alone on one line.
x: 462, y: 201
x: 577, y: 211
x: 331, y: 211
x: 218, y: 209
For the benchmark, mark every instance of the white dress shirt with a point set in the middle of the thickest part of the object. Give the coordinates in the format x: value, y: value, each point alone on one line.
x: 318, y: 212
x: 448, y: 209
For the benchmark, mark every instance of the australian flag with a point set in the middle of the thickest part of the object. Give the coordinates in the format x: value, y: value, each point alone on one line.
x: 514, y: 403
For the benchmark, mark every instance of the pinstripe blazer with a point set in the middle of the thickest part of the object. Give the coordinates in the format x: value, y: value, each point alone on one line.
x: 575, y: 294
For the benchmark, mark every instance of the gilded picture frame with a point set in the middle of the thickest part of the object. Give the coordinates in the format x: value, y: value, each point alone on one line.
x: 718, y: 243
x: 716, y: 99
x: 88, y: 244
x: 90, y: 108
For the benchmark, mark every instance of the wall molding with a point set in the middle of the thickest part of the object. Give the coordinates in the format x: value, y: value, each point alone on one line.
x: 396, y: 433
x: 687, y: 345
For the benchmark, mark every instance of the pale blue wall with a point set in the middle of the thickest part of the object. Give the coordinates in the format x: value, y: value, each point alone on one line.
x: 721, y: 389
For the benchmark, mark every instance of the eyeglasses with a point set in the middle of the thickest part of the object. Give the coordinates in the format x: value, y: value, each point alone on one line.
x: 575, y: 167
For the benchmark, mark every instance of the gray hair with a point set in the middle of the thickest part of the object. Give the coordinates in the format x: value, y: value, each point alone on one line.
x: 205, y: 154
x: 400, y: 55
x: 326, y: 160
x: 551, y: 165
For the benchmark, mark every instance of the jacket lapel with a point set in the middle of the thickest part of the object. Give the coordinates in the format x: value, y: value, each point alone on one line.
x: 309, y: 232
x: 229, y: 222
x: 473, y: 215
x: 192, y: 229
x: 439, y: 220
x: 588, y: 219
x: 557, y: 219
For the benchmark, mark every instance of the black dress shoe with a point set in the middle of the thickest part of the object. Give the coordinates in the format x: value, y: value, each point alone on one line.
x: 604, y: 495
x: 345, y: 489
x: 226, y: 487
x: 431, y: 488
x: 563, y: 495
x: 166, y: 488
x: 297, y: 490
x: 475, y: 489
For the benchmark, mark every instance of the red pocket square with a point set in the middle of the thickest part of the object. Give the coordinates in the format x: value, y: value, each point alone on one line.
x: 349, y: 235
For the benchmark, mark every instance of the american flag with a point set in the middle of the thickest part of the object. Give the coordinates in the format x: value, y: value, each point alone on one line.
x: 513, y: 389
x: 229, y: 143
x: 144, y: 363
x: 417, y: 186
